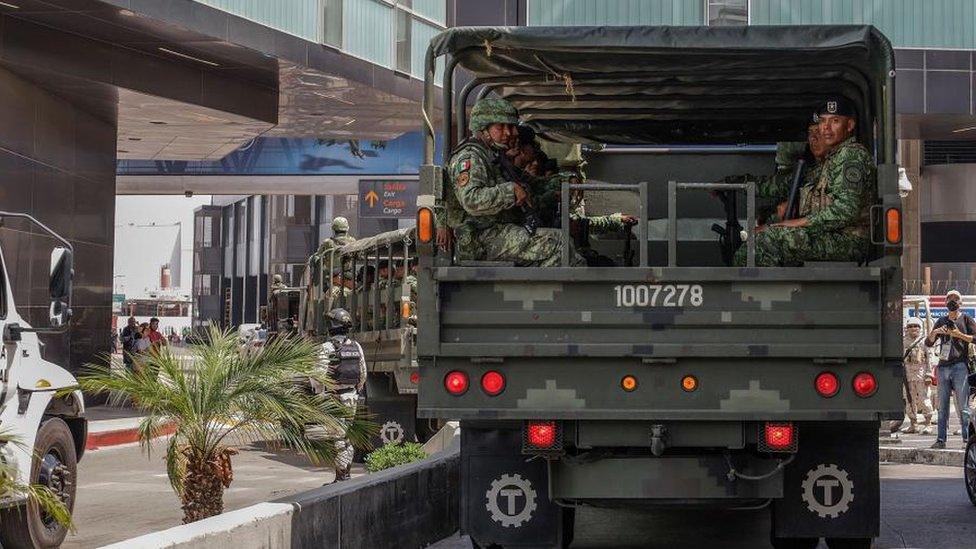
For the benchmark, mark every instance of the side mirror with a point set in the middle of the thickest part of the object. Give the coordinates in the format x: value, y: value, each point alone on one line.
x: 62, y: 272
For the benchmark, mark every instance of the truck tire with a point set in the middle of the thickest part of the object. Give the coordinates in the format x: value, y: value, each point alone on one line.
x: 969, y: 467
x: 849, y: 543
x: 794, y: 543
x: 55, y: 465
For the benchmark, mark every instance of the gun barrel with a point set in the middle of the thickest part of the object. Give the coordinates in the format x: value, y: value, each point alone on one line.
x: 792, y: 205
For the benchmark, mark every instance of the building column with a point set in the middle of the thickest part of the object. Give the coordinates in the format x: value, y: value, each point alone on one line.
x: 910, y: 154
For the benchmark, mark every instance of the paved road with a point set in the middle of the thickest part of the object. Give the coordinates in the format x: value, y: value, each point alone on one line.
x: 123, y: 493
x: 923, y: 506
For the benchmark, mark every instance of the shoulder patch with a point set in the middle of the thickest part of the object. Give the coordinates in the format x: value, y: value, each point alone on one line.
x: 853, y: 174
x: 462, y: 179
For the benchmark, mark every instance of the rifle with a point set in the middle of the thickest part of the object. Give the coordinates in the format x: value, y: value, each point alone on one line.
x: 531, y: 220
x: 729, y: 236
x: 792, y: 203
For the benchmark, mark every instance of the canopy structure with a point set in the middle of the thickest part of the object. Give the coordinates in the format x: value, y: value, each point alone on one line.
x: 655, y: 85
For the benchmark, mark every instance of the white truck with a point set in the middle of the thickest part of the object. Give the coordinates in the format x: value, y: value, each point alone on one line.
x: 40, y: 406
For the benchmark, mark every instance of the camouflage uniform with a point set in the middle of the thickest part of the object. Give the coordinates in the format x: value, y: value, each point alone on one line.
x: 916, y: 368
x: 340, y: 231
x: 837, y: 209
x: 486, y: 221
x: 772, y: 190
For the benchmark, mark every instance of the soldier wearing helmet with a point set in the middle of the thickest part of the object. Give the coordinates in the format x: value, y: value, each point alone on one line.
x: 340, y: 236
x: 916, y: 369
x: 484, y: 209
x: 346, y: 363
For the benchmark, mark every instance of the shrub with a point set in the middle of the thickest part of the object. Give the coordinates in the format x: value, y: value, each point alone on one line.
x: 392, y: 455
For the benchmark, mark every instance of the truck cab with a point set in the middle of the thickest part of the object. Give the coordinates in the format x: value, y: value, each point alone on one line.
x: 42, y: 411
x: 674, y: 379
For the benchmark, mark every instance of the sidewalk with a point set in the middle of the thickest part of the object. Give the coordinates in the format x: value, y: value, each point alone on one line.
x: 914, y: 448
x: 113, y: 425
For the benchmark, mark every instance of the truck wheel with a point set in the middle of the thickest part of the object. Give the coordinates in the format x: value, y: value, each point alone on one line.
x: 794, y: 543
x: 970, y: 469
x: 849, y: 543
x: 55, y: 465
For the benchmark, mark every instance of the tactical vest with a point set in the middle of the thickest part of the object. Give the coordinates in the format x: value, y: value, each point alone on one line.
x: 347, y: 372
x: 816, y: 198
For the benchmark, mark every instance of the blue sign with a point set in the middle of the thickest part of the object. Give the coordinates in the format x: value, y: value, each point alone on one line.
x: 293, y: 156
x: 939, y: 312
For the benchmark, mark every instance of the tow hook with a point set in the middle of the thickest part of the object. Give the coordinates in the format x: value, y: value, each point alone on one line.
x: 659, y: 440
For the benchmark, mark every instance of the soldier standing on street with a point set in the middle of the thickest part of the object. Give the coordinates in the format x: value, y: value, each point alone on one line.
x: 916, y: 369
x: 485, y: 210
x: 835, y: 211
x: 347, y: 369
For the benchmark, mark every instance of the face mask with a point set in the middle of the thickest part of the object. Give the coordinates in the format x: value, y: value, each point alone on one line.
x: 952, y: 305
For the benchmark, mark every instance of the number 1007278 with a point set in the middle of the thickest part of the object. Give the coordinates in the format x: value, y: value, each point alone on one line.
x: 659, y: 295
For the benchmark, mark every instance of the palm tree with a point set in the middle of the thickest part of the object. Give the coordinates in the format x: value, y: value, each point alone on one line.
x: 220, y: 390
x: 36, y: 494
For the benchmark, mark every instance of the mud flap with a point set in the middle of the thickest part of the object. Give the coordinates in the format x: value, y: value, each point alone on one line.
x: 504, y: 498
x: 395, y: 414
x: 832, y: 488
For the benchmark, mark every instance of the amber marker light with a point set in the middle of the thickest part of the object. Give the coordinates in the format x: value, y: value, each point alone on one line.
x: 425, y: 225
x: 628, y: 383
x: 893, y: 225
x: 689, y: 383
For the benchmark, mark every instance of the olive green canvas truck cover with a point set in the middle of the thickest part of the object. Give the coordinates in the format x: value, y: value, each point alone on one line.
x: 753, y: 338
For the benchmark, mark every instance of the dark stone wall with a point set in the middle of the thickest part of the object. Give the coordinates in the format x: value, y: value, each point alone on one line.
x: 57, y: 163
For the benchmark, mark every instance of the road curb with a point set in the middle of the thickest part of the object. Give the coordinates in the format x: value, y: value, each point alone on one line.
x: 894, y: 454
x: 103, y: 439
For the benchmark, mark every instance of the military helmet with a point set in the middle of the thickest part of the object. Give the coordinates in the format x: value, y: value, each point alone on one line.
x: 491, y: 110
x: 340, y: 225
x: 913, y: 322
x: 339, y: 320
x: 278, y: 279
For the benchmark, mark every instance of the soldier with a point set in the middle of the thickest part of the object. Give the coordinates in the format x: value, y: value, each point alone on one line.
x: 916, y: 369
x: 340, y: 236
x: 834, y: 212
x: 277, y: 284
x: 340, y: 290
x: 347, y: 368
x: 486, y: 210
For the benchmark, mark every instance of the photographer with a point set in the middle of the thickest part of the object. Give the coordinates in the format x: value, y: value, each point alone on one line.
x: 954, y: 333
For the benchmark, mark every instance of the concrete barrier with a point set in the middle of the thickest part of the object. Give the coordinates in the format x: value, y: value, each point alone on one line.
x: 924, y: 456
x: 412, y: 505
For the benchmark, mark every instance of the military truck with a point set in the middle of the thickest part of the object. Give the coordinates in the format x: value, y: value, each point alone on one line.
x: 374, y: 272
x: 679, y: 381
x: 42, y: 409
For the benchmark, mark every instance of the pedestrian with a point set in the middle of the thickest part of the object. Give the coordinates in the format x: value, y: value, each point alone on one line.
x: 953, y: 333
x: 156, y: 339
x: 346, y: 365
x: 130, y: 334
x: 916, y: 370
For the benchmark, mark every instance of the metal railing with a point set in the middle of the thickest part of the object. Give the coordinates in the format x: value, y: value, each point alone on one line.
x: 566, y: 190
x: 749, y: 187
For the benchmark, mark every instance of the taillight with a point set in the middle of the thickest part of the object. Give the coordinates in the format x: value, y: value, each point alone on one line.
x: 425, y: 225
x: 456, y: 382
x: 778, y: 437
x: 415, y: 377
x: 628, y: 383
x: 493, y: 383
x: 404, y: 309
x: 827, y: 384
x: 864, y: 384
x: 541, y: 435
x: 893, y: 225
x: 689, y: 383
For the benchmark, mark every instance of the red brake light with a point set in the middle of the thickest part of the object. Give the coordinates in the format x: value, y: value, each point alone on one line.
x: 415, y: 377
x: 827, y: 384
x: 456, y: 382
x: 779, y: 435
x: 493, y: 382
x: 541, y: 434
x: 864, y: 384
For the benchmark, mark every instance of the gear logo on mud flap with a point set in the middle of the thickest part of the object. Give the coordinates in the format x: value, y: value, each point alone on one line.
x: 828, y: 491
x: 510, y: 500
x: 391, y: 433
